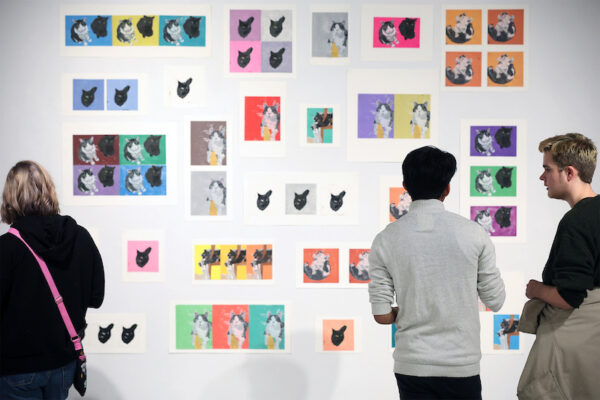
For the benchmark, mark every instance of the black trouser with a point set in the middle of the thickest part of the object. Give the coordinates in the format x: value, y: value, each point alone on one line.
x: 438, y: 387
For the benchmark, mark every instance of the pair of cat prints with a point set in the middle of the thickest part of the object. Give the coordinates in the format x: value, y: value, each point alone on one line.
x: 233, y: 262
x: 492, y: 177
x: 229, y: 327
x: 114, y: 333
x: 105, y: 95
x: 471, y: 61
x: 260, y: 41
x: 119, y: 165
x: 148, y: 30
x: 394, y: 116
x: 321, y: 266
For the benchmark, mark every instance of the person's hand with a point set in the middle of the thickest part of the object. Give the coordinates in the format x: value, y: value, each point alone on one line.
x: 533, y: 288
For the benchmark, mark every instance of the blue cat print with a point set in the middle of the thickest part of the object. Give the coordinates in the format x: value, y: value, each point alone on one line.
x: 122, y: 94
x: 88, y: 30
x: 88, y: 94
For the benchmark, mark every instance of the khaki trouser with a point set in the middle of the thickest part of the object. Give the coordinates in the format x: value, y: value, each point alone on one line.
x: 564, y: 362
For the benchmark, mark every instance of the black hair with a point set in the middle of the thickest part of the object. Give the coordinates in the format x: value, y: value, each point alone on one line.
x: 427, y: 171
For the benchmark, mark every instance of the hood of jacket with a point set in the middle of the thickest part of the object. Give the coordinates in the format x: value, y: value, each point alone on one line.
x: 51, y: 237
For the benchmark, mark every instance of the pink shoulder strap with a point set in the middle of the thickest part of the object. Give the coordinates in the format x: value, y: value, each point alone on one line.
x: 55, y: 294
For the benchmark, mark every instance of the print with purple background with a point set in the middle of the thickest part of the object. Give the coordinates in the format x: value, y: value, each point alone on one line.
x: 507, y: 146
x: 235, y: 16
x: 497, y: 216
x: 286, y: 63
x: 367, y: 104
x: 102, y: 190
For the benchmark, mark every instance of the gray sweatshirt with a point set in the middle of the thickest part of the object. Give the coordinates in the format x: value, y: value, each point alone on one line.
x: 436, y: 263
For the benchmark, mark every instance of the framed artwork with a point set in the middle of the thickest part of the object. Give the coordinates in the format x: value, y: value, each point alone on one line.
x: 331, y: 265
x: 263, y: 119
x: 394, y: 200
x: 207, y: 188
x: 499, y: 333
x: 135, y: 30
x: 484, y: 48
x: 320, y: 125
x: 104, y: 94
x: 184, y: 86
x: 390, y: 113
x: 143, y: 256
x: 300, y: 199
x: 113, y: 164
x: 229, y: 328
x: 261, y: 41
x: 337, y: 334
x: 114, y: 333
x: 396, y: 32
x: 238, y: 263
x: 329, y: 40
x: 493, y: 175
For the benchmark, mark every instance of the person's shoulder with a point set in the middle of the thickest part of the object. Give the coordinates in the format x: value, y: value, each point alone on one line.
x: 464, y: 224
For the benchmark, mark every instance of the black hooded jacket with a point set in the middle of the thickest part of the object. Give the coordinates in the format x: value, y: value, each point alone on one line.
x: 33, y: 336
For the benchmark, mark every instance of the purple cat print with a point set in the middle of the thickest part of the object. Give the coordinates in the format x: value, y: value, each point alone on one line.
x: 496, y: 220
x: 493, y: 141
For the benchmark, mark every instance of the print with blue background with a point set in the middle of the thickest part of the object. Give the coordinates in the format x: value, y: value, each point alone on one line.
x: 87, y: 85
x: 157, y: 190
x: 98, y: 33
x: 114, y: 85
x: 195, y: 41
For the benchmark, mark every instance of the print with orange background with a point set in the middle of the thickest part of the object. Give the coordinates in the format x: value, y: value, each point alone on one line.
x: 451, y: 21
x: 334, y: 265
x: 253, y: 111
x: 267, y: 268
x: 354, y: 258
x: 518, y: 62
x: 337, y: 324
x: 518, y: 20
x: 475, y: 57
x: 395, y: 194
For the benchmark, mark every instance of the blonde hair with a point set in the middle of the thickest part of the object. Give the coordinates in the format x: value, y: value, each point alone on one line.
x: 572, y: 149
x: 28, y: 190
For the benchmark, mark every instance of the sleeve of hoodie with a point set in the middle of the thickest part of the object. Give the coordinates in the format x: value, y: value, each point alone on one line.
x: 97, y: 293
x: 490, y: 285
x: 381, y: 286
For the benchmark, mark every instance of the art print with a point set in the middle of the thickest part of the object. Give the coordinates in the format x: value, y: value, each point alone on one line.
x: 337, y: 334
x: 247, y: 328
x: 463, y: 26
x: 114, y: 333
x: 493, y: 181
x: 396, y: 33
x: 209, y: 142
x: 463, y: 69
x: 209, y: 197
x: 499, y: 333
x: 184, y: 86
x: 390, y: 113
x: 484, y: 49
x: 493, y: 169
x: 300, y: 199
x: 233, y: 263
x: 394, y: 200
x: 330, y: 42
x: 263, y: 114
x: 110, y: 164
x: 261, y: 41
x: 506, y: 26
x: 143, y: 256
x: 174, y: 30
x: 332, y: 265
x: 320, y: 125
x: 103, y: 94
x: 506, y: 69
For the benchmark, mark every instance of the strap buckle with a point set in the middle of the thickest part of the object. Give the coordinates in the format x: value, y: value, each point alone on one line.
x: 58, y: 300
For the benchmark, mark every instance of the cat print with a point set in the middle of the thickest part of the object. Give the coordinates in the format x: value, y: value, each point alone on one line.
x: 126, y: 32
x: 144, y: 26
x: 201, y: 329
x: 80, y: 32
x: 133, y: 151
x: 484, y: 219
x: 243, y: 58
x: 245, y: 27
x: 360, y: 270
x: 128, y: 334
x: 388, y: 34
x: 107, y: 145
x: 484, y: 183
x: 152, y: 145
x: 338, y: 38
x: 263, y: 200
x: 216, y: 145
x: 276, y: 58
x: 276, y: 27
x: 183, y: 88
x: 502, y: 217
x: 483, y: 142
x: 106, y: 176
x: 154, y: 176
x: 337, y: 336
x: 238, y: 327
x: 274, y: 330
x: 503, y: 137
x: 191, y: 27
x: 269, y: 124
x: 504, y: 177
x: 87, y: 151
x: 300, y: 200
x: 134, y: 183
x: 99, y: 26
x: 384, y: 119
x: 337, y: 201
x: 420, y: 118
x: 462, y: 31
x: 121, y: 95
x: 172, y: 32
x: 142, y: 257
x: 407, y: 28
x: 259, y: 258
x: 319, y: 268
x: 104, y: 333
x: 217, y: 198
x: 88, y: 96
x: 86, y: 182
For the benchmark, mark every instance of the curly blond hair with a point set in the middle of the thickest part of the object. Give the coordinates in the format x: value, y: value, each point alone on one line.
x: 29, y: 190
x: 572, y: 149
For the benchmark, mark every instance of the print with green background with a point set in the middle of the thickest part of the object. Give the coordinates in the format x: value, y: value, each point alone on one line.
x: 257, y: 324
x: 184, y: 321
x: 506, y: 192
x: 160, y: 159
x: 310, y: 115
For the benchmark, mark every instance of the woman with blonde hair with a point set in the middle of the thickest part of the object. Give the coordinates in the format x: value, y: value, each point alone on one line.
x: 37, y: 357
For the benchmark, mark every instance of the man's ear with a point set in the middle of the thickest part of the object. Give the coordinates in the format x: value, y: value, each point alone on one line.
x: 571, y: 172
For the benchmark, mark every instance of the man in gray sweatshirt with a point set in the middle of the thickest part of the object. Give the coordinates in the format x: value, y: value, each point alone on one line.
x: 436, y: 263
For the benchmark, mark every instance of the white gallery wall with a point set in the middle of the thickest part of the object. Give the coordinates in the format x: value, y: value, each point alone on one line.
x: 561, y: 97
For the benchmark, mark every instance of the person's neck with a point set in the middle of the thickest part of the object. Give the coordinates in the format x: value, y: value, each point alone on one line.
x: 583, y: 192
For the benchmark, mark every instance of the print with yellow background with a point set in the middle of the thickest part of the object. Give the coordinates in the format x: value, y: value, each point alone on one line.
x: 215, y: 269
x: 451, y: 21
x: 492, y: 61
x: 403, y: 112
x: 139, y: 39
x: 240, y: 268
